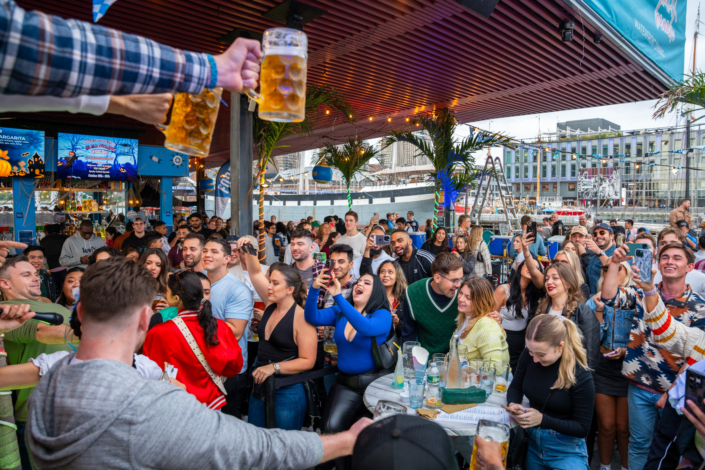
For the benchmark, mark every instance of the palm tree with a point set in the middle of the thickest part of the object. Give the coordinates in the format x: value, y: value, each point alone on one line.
x: 444, y: 152
x: 690, y: 91
x: 348, y: 159
x: 269, y: 134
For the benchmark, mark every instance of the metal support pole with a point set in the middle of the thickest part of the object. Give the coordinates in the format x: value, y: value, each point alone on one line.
x: 246, y: 164
x: 240, y: 165
x: 235, y: 228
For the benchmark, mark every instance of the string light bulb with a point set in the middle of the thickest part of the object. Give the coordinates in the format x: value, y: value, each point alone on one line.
x: 389, y: 119
x: 327, y: 111
x: 407, y: 119
x: 370, y: 118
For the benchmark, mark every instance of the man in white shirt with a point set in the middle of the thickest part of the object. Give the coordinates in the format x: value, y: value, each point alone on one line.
x: 353, y: 238
x: 694, y: 278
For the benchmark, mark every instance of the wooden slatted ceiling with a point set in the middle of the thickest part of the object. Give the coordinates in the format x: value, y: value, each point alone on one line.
x: 395, y: 58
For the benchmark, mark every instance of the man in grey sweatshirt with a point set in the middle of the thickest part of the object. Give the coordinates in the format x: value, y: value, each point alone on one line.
x: 93, y: 410
x: 78, y: 248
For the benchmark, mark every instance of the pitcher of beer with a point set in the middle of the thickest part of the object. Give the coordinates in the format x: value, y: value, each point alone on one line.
x: 491, y: 431
x: 282, y: 96
x: 192, y: 122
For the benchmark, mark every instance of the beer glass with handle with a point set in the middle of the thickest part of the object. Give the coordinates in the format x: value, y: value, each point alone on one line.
x: 491, y: 431
x: 282, y: 96
x: 193, y: 117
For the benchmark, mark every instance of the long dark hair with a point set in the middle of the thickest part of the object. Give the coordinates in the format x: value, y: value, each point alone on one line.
x: 188, y: 287
x: 61, y: 300
x: 444, y: 243
x: 515, y: 300
x: 378, y: 297
x: 292, y: 279
x: 331, y: 240
x: 166, y: 266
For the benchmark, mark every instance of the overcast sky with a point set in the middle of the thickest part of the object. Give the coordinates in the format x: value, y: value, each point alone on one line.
x: 629, y: 116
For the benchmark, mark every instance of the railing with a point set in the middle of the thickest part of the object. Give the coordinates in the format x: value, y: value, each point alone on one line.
x: 272, y: 384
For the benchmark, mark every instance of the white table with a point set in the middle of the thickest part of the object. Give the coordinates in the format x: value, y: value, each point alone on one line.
x: 381, y: 389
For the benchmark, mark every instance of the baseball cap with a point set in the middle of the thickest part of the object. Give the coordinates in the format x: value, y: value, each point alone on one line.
x: 579, y: 229
x: 139, y: 217
x: 682, y: 223
x: 603, y: 226
x: 401, y: 442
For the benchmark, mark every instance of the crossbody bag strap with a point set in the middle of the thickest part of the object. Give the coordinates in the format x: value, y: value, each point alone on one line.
x: 188, y: 336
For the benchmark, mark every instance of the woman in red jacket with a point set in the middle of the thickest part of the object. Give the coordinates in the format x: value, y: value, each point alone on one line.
x: 195, y: 332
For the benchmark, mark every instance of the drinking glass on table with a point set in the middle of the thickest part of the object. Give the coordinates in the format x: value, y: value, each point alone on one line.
x: 501, y: 382
x: 409, y: 359
x: 491, y: 431
x: 487, y: 376
x: 385, y: 408
x: 417, y: 386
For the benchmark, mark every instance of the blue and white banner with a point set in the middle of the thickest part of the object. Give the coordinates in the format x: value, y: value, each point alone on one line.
x: 100, y: 7
x: 655, y: 27
x: 222, y: 191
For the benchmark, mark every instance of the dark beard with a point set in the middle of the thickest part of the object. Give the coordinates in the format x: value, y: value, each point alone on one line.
x: 376, y: 252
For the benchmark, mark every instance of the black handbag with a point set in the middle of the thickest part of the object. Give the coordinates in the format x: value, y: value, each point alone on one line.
x: 519, y: 444
x: 385, y: 355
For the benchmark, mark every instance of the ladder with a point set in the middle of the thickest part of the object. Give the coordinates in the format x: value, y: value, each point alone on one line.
x: 491, y: 174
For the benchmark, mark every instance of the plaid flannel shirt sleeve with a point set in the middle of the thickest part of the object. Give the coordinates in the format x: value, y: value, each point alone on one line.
x: 47, y: 55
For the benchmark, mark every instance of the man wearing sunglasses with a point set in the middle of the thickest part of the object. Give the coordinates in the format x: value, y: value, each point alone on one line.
x: 598, y: 250
x: 431, y: 308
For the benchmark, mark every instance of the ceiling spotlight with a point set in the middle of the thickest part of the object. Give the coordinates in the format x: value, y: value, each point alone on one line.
x: 566, y: 28
x: 327, y: 111
x: 370, y: 118
x: 597, y: 39
x: 389, y: 119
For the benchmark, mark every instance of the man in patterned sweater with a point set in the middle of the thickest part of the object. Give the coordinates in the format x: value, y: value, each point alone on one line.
x: 651, y: 370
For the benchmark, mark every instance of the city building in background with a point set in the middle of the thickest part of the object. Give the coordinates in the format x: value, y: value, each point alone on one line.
x: 595, y: 163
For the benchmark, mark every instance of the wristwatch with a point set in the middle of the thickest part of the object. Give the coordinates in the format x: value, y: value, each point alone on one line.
x: 276, y: 368
x: 602, y: 253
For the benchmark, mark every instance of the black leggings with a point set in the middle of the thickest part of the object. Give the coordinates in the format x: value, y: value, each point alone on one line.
x: 345, y: 406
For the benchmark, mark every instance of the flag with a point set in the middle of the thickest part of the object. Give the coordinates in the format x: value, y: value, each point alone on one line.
x: 100, y: 7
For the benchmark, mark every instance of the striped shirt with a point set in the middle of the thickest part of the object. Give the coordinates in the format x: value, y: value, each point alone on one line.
x: 646, y: 363
x: 47, y: 55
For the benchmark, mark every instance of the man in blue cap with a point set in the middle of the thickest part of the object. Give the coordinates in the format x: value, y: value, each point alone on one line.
x: 598, y: 250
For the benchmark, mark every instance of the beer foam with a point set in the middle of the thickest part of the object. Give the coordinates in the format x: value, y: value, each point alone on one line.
x: 286, y: 50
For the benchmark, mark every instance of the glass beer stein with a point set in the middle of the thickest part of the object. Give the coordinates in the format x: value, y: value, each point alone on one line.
x: 282, y: 96
x: 491, y: 431
x: 193, y: 117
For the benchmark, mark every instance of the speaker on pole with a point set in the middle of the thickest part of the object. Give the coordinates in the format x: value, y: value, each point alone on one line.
x: 481, y: 7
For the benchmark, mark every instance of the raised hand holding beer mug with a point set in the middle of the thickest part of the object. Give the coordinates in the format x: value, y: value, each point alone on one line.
x: 282, y: 96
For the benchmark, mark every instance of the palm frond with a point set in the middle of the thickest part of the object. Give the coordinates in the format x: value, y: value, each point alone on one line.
x: 418, y: 141
x: 690, y: 91
x: 349, y: 159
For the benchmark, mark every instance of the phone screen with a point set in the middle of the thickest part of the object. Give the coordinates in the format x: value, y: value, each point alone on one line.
x: 531, y: 230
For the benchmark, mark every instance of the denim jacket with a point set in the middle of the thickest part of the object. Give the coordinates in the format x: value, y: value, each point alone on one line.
x: 615, y: 330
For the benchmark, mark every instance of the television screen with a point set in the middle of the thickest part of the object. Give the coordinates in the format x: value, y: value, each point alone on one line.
x: 97, y: 158
x: 21, y: 152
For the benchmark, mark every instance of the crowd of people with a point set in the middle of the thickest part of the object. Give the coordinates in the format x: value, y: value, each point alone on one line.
x: 215, y: 318
x: 166, y: 342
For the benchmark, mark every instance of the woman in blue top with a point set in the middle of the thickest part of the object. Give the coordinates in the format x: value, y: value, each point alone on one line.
x: 357, y: 319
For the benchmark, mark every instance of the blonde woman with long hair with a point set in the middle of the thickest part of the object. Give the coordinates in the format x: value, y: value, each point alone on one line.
x: 478, y: 331
x: 611, y: 387
x: 553, y: 374
x: 564, y: 299
x: 572, y: 259
x: 481, y: 252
